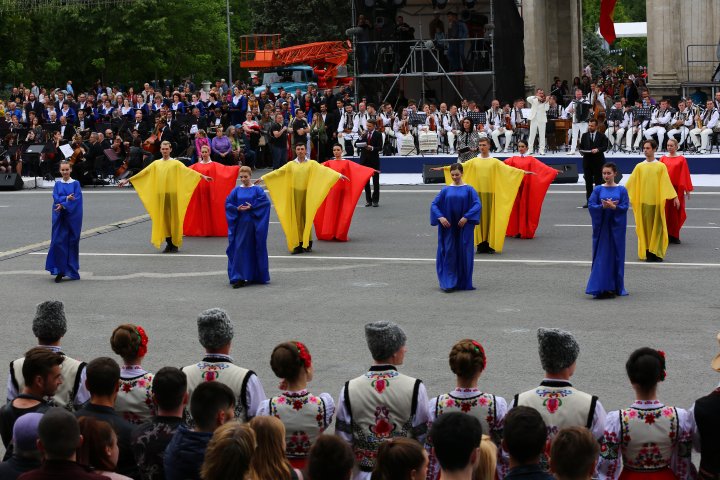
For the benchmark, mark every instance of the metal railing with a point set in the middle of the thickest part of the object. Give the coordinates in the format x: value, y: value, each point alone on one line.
x: 700, y: 54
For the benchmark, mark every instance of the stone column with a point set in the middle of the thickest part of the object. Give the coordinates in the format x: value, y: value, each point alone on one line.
x: 665, y: 46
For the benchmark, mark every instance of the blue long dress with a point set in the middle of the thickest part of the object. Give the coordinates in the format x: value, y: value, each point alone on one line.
x: 247, y: 235
x: 608, y: 261
x: 456, y: 246
x: 64, y: 254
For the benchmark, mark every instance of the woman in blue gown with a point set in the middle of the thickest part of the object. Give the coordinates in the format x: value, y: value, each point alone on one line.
x: 608, y: 206
x: 63, y: 259
x: 456, y: 206
x: 248, y: 215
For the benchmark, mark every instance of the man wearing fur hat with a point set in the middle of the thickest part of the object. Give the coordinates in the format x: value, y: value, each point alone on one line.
x: 382, y: 403
x: 706, y: 412
x: 49, y: 326
x: 215, y: 332
x: 558, y: 402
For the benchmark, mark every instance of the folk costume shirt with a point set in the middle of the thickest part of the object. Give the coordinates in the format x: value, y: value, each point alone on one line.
x: 297, y: 190
x: 680, y: 178
x: 205, y: 215
x: 497, y: 186
x: 525, y: 215
x: 333, y: 218
x: 64, y: 253
x: 165, y: 188
x: 649, y: 188
x: 247, y: 235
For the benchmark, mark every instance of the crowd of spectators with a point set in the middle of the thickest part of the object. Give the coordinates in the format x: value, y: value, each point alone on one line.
x: 211, y: 420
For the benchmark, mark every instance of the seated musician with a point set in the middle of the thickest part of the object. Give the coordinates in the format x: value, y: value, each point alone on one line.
x: 427, y: 132
x: 659, y: 122
x: 681, y: 122
x: 348, y: 130
x: 452, y: 126
x: 84, y: 124
x: 636, y: 124
x: 403, y: 134
x: 615, y: 130
x: 520, y: 125
x: 705, y: 122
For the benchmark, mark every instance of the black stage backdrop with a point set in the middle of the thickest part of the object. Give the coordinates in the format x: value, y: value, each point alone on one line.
x: 509, y: 51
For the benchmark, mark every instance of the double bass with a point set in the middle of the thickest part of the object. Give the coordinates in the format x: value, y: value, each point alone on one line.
x: 150, y: 143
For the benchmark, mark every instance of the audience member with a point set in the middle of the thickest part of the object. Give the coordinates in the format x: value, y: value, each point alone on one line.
x: 706, y: 413
x: 330, y: 458
x: 215, y: 332
x: 486, y: 466
x: 150, y: 439
x: 134, y: 400
x: 229, y: 453
x: 212, y: 404
x: 103, y: 382
x: 99, y: 448
x: 59, y: 439
x: 400, y: 459
x: 268, y: 461
x: 49, y: 327
x: 574, y: 454
x: 524, y: 440
x: 26, y: 455
x: 456, y: 441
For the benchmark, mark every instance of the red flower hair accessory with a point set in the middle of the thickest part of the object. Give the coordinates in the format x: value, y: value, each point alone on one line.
x: 479, y: 349
x: 304, y: 354
x: 662, y: 364
x: 142, y: 349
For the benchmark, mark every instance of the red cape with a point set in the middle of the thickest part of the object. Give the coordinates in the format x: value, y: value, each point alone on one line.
x: 205, y: 215
x: 680, y: 179
x: 332, y: 220
x: 525, y: 215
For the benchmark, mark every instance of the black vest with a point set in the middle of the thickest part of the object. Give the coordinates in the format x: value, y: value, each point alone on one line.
x: 707, y: 419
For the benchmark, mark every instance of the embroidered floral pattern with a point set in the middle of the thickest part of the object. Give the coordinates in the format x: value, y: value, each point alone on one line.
x: 211, y: 371
x: 553, y: 399
x: 648, y: 455
x: 380, y: 381
x: 366, y: 443
x: 135, y: 402
x: 297, y: 444
x: 312, y: 411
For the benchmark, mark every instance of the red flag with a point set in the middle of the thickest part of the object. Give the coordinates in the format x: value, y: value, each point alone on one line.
x: 607, y: 26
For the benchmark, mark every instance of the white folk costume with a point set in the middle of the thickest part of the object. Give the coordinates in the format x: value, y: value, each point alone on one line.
x: 489, y: 409
x: 378, y: 406
x: 579, y: 111
x: 305, y: 416
x: 659, y: 122
x: 647, y: 441
x: 538, y: 122
x: 700, y: 135
x: 134, y: 400
x: 681, y: 124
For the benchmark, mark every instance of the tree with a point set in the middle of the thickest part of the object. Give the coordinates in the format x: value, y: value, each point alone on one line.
x: 302, y: 21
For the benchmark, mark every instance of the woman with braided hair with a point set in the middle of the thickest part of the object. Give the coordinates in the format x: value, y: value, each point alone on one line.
x: 304, y: 414
x: 649, y: 440
x: 134, y: 400
x: 468, y: 361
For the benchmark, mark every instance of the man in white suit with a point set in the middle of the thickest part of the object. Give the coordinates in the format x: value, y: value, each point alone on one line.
x: 538, y: 119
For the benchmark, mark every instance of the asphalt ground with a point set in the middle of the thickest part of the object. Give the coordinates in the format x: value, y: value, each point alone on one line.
x: 386, y: 271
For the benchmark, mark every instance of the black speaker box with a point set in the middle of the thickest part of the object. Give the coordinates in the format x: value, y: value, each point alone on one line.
x: 11, y: 181
x: 430, y: 176
x: 568, y: 173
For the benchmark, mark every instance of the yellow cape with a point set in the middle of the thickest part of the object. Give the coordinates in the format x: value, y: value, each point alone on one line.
x: 165, y: 188
x: 497, y: 185
x: 297, y: 190
x: 649, y: 187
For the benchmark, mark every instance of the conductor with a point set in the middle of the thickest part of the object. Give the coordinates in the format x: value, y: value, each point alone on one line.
x: 593, y: 145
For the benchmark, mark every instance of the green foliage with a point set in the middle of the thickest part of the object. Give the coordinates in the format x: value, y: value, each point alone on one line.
x: 593, y: 52
x: 14, y: 69
x: 634, y: 50
x: 302, y: 21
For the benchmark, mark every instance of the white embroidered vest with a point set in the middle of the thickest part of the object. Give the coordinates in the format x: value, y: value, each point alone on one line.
x: 134, y: 400
x: 648, y: 437
x: 219, y: 371
x: 304, y: 417
x: 382, y: 404
x: 481, y: 406
x: 71, y: 371
x: 562, y: 406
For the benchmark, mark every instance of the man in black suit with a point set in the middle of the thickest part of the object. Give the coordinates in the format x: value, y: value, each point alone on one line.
x: 593, y: 145
x: 370, y: 157
x: 33, y: 105
x: 84, y: 123
x: 67, y: 131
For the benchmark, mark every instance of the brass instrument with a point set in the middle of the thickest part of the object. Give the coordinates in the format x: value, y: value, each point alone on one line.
x: 682, y: 116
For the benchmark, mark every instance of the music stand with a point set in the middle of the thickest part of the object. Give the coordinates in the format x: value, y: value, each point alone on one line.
x: 475, y: 117
x: 616, y: 115
x: 643, y: 113
x: 31, y: 157
x: 416, y: 118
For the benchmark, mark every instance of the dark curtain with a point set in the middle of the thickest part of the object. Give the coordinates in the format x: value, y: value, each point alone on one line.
x: 509, y: 51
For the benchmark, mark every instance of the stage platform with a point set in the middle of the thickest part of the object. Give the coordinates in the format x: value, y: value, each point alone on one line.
x: 708, y: 164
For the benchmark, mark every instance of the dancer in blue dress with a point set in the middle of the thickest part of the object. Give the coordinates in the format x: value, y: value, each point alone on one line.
x: 63, y: 259
x: 455, y: 206
x: 248, y: 215
x: 608, y: 206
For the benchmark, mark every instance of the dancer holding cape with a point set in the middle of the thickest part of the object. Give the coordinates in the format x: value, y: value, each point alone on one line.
x: 680, y: 178
x: 297, y: 190
x: 205, y: 215
x: 333, y: 218
x: 454, y: 211
x: 165, y: 187
x: 496, y: 184
x: 248, y: 215
x: 525, y: 215
x: 608, y: 205
x: 63, y: 258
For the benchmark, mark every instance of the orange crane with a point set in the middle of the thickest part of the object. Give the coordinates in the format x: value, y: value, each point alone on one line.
x: 262, y: 51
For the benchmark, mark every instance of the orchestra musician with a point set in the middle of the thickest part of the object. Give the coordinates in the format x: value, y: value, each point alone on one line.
x: 452, y: 127
x: 518, y: 122
x: 659, y: 122
x: 442, y: 117
x: 403, y: 135
x: 538, y: 120
x: 84, y: 124
x: 635, y: 126
x: 497, y: 122
x: 616, y: 124
x: 704, y: 125
x: 579, y: 109
x: 348, y: 130
x: 681, y: 123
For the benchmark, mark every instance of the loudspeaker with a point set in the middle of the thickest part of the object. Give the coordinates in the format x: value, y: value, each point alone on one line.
x: 568, y: 173
x: 430, y: 176
x: 11, y: 181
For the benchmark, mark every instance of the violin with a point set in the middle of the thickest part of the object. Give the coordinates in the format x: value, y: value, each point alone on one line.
x: 433, y: 126
x: 150, y: 144
x: 404, y: 127
x: 508, y: 122
x: 78, y: 153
